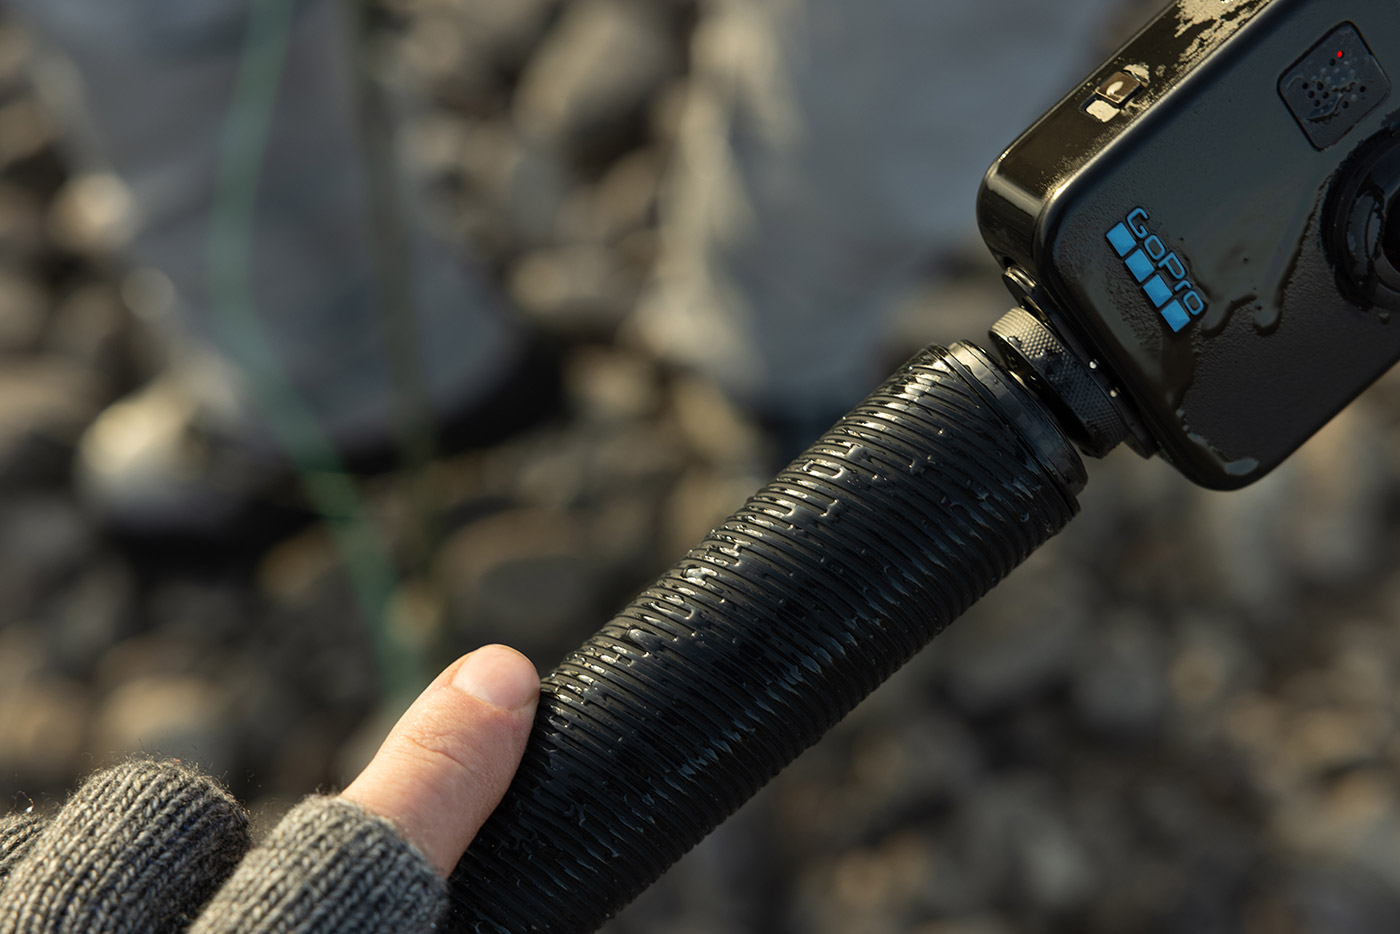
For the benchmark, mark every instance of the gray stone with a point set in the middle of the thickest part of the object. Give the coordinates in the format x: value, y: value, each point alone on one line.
x: 611, y: 386
x: 1121, y: 687
x: 519, y: 185
x: 594, y: 74
x: 21, y: 653
x: 623, y: 201
x: 702, y: 499
x: 1014, y: 837
x: 83, y: 620
x: 43, y: 728
x: 16, y: 55
x: 1312, y: 521
x: 44, y: 542
x: 1336, y: 533
x: 577, y: 290
x: 22, y: 224
x: 24, y: 310
x: 526, y: 578
x: 1023, y: 639
x: 25, y: 131
x: 144, y: 656
x: 974, y: 924
x: 1210, y: 667
x: 717, y: 430
x: 292, y: 570
x: 506, y: 30
x: 93, y: 214
x: 45, y: 403
x: 177, y: 716
x: 90, y: 327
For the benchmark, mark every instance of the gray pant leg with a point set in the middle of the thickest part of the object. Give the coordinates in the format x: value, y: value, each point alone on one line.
x: 153, y: 87
x: 831, y: 150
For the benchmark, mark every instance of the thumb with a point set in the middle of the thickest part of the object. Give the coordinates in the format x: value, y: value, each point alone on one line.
x: 447, y: 762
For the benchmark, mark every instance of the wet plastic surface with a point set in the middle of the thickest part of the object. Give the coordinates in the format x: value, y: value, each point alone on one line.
x: 763, y: 636
x: 1227, y: 331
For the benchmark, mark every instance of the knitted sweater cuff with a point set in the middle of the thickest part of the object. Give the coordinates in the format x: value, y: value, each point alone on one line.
x: 17, y: 832
x: 137, y: 848
x: 329, y: 867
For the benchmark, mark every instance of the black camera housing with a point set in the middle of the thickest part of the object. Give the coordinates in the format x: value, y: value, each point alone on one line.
x: 1213, y: 220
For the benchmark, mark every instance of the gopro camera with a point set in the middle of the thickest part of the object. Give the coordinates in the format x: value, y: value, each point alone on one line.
x: 1210, y: 223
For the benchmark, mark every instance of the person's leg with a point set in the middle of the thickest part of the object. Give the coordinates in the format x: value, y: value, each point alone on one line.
x: 831, y: 152
x: 154, y: 94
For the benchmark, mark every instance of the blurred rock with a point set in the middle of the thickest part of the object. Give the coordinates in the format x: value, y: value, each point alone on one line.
x: 25, y: 131
x: 1121, y: 687
x: 1324, y: 897
x: 24, y: 310
x: 525, y: 578
x: 1337, y: 533
x: 911, y: 765
x: 22, y: 232
x: 175, y: 716
x: 579, y: 291
x: 715, y: 428
x: 1015, y: 837
x: 265, y: 712
x: 45, y: 403
x: 90, y: 327
x: 978, y: 924
x: 144, y: 656
x: 43, y: 725
x: 93, y: 214
x: 588, y: 85
x: 521, y: 185
x: 44, y: 541
x: 200, y: 611
x: 1210, y: 666
x: 1314, y: 520
x: 505, y: 30
x: 434, y: 46
x: 702, y: 499
x: 1022, y: 640
x: 608, y: 386
x: 435, y: 145
x: 21, y: 653
x: 16, y: 55
x: 1355, y: 822
x: 623, y: 201
x: 292, y: 570
x: 81, y: 622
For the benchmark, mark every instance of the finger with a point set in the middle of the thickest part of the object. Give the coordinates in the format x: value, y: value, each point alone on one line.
x: 447, y: 762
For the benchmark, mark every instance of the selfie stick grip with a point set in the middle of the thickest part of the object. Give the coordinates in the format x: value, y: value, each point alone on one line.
x: 763, y: 636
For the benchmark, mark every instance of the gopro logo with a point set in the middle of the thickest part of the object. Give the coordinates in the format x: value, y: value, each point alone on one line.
x: 1161, y: 273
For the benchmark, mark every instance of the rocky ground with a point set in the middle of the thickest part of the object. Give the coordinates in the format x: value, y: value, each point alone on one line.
x: 1180, y: 716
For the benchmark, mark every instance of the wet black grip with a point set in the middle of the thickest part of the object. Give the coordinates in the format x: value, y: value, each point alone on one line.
x: 763, y: 636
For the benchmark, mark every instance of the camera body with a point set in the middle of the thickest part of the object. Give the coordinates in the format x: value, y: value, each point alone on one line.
x: 1212, y: 219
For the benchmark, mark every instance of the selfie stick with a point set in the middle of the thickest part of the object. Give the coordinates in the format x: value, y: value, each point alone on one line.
x: 761, y: 638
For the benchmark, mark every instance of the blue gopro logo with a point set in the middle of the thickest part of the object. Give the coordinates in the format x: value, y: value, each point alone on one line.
x: 1161, y: 273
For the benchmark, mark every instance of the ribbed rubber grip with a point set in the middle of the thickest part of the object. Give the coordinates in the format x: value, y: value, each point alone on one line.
x: 763, y: 636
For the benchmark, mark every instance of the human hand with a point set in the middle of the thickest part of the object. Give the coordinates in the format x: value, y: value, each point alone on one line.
x: 447, y: 762
x: 156, y: 846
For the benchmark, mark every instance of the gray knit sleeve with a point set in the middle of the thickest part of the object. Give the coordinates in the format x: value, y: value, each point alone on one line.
x: 328, y: 868
x: 137, y: 848
x: 17, y: 832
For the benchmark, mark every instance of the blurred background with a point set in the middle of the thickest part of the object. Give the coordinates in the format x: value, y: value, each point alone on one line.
x: 1179, y: 716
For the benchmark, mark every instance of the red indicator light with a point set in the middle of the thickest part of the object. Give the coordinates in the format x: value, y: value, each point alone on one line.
x: 1341, y: 55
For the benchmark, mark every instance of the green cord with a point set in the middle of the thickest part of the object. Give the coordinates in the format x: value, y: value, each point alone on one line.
x: 296, y: 429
